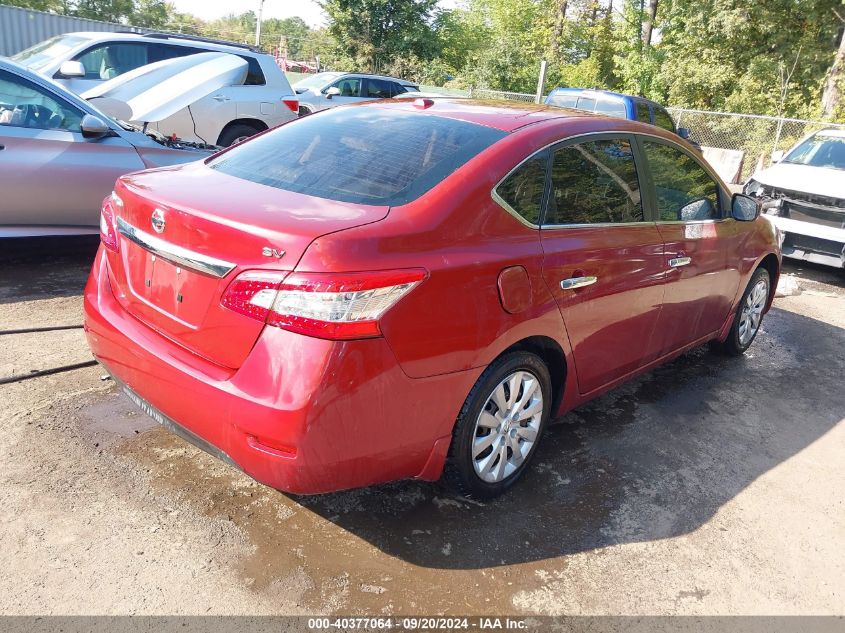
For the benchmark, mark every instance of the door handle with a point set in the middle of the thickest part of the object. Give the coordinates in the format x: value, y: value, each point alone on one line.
x: 221, y: 98
x: 677, y: 262
x: 577, y: 282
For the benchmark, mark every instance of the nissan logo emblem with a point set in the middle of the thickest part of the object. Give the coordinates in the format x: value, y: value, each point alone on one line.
x: 158, y: 220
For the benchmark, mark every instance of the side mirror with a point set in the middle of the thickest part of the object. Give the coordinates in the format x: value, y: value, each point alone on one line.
x: 68, y: 70
x: 93, y: 127
x: 744, y: 208
x: 331, y: 92
x: 778, y: 155
x: 701, y: 209
x: 684, y: 133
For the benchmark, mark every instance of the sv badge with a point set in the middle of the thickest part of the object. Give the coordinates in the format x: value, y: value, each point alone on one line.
x: 268, y: 251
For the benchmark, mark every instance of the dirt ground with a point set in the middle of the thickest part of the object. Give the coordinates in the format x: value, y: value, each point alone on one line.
x: 710, y: 486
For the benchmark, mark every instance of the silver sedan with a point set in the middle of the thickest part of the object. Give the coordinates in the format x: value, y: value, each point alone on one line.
x: 60, y: 156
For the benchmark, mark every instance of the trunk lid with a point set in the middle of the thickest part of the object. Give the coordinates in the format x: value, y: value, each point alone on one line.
x: 212, y: 227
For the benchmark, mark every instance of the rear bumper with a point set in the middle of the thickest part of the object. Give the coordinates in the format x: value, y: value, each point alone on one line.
x: 302, y: 415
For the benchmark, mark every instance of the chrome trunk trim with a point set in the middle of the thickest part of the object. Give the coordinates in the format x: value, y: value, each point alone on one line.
x: 175, y: 254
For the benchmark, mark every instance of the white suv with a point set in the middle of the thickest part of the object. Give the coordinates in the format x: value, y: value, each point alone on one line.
x: 81, y: 61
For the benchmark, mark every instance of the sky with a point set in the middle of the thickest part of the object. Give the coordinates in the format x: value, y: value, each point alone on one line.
x: 308, y: 10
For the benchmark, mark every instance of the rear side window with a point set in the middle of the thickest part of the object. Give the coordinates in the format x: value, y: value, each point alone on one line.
x: 643, y: 115
x: 254, y: 76
x: 662, y: 119
x: 522, y: 190
x: 685, y: 192
x: 563, y: 100
x: 595, y: 182
x: 360, y: 155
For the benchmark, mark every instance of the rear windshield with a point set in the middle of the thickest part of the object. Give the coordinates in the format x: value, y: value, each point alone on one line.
x: 362, y: 155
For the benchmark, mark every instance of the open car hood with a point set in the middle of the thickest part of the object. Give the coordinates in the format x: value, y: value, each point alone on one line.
x: 159, y: 90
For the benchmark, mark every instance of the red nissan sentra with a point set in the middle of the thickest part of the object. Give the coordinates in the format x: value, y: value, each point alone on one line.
x: 414, y: 289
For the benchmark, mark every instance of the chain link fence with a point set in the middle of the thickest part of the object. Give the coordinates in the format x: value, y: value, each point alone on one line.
x: 755, y: 136
x: 480, y: 93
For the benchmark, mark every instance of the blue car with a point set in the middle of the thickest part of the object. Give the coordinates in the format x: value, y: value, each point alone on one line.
x: 615, y: 104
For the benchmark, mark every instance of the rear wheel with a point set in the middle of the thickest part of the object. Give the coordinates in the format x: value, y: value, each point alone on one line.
x: 749, y: 314
x: 499, y: 427
x: 236, y: 133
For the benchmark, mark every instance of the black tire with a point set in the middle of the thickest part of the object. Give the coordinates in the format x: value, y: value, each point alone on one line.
x: 733, y: 345
x: 234, y: 132
x: 459, y: 473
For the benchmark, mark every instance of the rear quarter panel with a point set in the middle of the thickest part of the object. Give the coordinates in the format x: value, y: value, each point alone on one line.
x: 453, y: 320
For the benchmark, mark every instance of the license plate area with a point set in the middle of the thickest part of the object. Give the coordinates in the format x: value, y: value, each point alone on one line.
x: 164, y: 288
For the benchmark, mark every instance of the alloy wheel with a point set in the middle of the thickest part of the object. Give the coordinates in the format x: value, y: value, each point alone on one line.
x: 507, y: 428
x: 752, y: 311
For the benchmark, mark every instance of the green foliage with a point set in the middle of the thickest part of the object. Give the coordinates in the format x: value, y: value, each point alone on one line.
x: 761, y: 57
x: 375, y: 33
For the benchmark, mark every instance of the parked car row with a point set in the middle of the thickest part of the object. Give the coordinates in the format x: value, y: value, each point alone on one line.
x: 231, y: 113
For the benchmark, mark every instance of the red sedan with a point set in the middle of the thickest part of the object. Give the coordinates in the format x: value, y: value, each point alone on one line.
x: 414, y: 289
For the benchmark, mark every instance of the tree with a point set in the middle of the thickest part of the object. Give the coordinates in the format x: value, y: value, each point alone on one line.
x: 105, y: 10
x: 372, y: 33
x: 152, y: 14
x: 834, y: 82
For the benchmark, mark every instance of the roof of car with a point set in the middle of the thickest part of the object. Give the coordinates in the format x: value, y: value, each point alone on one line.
x: 174, y: 38
x: 502, y: 115
x: 599, y: 91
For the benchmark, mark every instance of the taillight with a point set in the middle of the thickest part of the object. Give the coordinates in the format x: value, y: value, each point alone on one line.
x: 292, y: 104
x: 252, y: 293
x: 108, y: 222
x: 324, y: 305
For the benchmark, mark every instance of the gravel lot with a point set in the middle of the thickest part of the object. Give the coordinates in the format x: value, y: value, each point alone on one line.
x: 710, y: 486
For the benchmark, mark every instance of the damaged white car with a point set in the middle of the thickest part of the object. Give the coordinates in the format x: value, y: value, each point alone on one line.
x: 803, y: 194
x: 60, y: 155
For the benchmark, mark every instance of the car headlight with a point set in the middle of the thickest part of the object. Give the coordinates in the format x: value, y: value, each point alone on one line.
x: 752, y: 187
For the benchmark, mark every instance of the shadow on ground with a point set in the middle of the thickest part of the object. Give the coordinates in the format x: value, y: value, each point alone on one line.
x: 654, y: 459
x: 38, y: 268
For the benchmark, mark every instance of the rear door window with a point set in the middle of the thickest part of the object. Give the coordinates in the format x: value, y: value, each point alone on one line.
x: 363, y: 155
x: 594, y: 182
x: 378, y: 89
